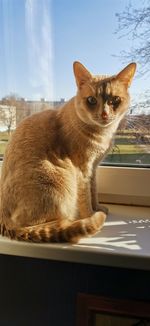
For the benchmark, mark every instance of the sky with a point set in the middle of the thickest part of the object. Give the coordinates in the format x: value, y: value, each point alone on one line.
x: 40, y: 40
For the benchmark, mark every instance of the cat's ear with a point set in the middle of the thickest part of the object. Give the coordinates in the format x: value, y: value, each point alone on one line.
x: 126, y: 75
x: 81, y: 74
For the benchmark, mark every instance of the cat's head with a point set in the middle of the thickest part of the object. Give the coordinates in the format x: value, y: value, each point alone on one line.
x: 102, y: 100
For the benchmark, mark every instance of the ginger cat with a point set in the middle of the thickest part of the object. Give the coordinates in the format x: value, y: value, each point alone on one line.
x: 47, y: 183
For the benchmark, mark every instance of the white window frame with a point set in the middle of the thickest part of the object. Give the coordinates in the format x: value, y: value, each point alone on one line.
x: 123, y: 185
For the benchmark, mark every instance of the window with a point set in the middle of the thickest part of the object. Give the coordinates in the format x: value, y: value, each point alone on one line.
x: 39, y: 42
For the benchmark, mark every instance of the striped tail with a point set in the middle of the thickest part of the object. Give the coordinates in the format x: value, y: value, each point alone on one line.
x: 50, y: 232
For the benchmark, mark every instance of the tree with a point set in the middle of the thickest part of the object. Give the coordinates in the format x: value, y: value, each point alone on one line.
x: 135, y: 22
x: 8, y: 117
x: 8, y: 112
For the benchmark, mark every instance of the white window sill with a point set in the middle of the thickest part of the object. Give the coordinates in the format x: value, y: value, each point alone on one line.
x: 123, y: 242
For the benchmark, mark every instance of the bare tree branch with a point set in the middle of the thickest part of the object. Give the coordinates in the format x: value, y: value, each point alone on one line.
x: 135, y: 23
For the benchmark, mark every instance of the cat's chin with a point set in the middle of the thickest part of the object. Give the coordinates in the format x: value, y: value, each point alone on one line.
x: 105, y: 124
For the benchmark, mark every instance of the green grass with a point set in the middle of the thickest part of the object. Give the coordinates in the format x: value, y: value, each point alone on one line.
x: 4, y: 135
x: 2, y: 148
x: 131, y: 149
x: 3, y: 141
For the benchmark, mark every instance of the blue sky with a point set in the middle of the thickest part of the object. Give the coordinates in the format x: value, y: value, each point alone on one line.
x: 40, y: 39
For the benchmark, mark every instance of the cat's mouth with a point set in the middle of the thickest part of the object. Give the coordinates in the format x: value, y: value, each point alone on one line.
x: 105, y: 123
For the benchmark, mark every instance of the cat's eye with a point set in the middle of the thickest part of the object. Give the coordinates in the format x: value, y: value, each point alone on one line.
x: 91, y: 100
x: 114, y: 101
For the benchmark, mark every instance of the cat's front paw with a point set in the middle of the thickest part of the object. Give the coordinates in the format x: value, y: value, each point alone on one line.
x: 102, y: 208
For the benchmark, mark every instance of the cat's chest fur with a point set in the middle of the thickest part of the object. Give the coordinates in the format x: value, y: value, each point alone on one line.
x: 89, y: 155
x: 85, y: 145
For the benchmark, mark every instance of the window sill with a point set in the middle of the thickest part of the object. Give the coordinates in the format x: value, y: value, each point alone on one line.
x: 123, y: 242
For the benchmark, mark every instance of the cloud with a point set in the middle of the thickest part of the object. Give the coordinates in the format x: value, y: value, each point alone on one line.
x: 39, y: 47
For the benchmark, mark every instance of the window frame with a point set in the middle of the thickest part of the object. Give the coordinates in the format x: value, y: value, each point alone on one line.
x: 123, y: 185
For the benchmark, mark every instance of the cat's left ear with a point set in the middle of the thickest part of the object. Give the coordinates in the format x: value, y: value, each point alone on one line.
x: 126, y: 75
x: 81, y: 74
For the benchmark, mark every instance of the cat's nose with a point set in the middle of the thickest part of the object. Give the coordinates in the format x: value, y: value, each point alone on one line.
x: 105, y: 112
x: 104, y: 115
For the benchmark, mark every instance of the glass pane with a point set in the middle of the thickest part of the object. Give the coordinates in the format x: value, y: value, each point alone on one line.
x: 132, y: 142
x: 40, y: 39
x: 26, y: 70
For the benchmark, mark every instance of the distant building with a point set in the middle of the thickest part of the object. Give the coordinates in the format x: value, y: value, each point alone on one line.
x: 23, y: 108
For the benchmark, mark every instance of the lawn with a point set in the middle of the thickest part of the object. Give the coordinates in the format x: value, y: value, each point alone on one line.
x: 2, y: 148
x: 4, y: 136
x: 131, y: 149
